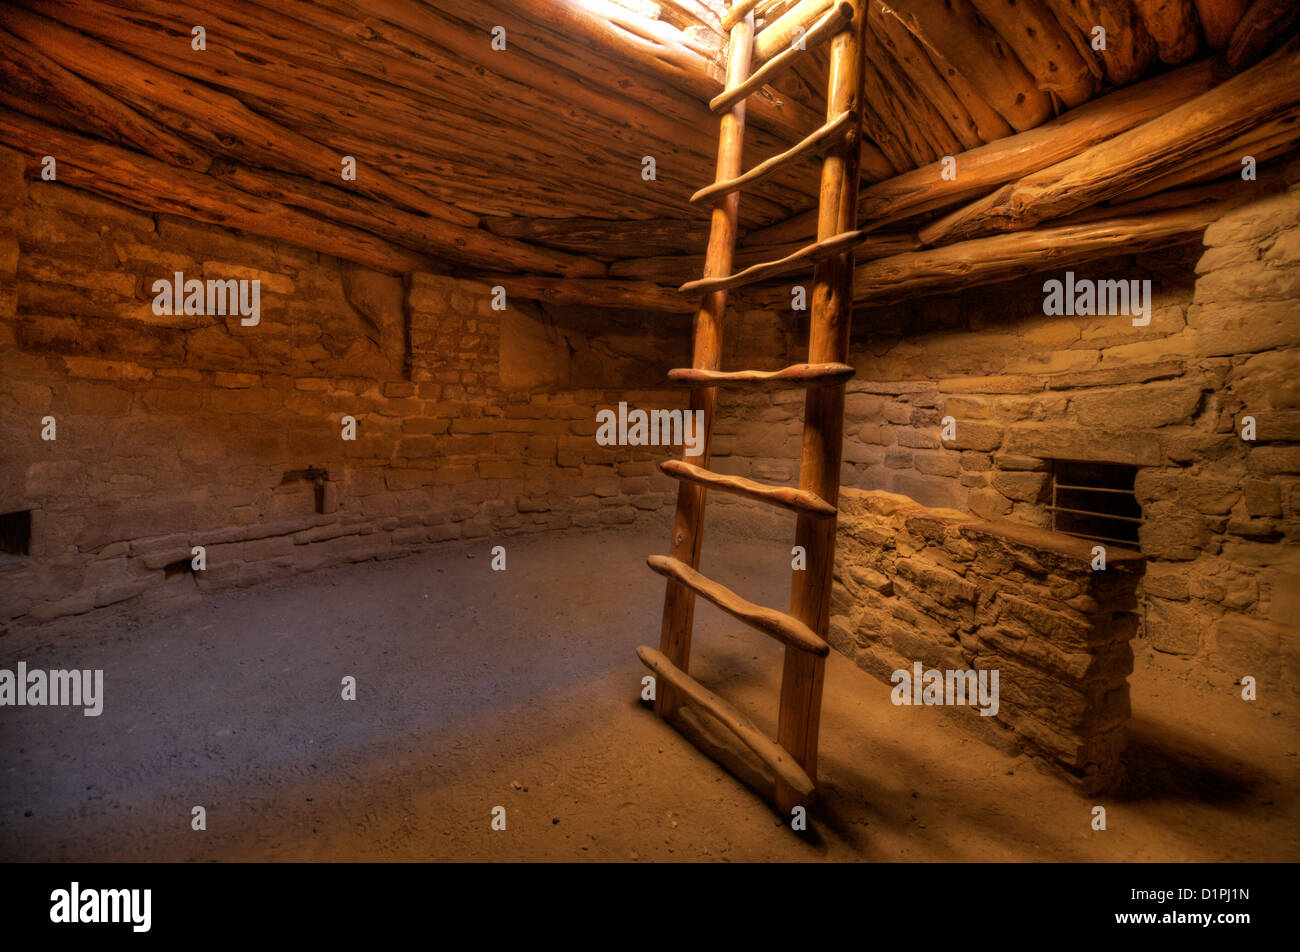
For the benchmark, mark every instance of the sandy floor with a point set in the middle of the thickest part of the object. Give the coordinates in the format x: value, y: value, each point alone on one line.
x: 474, y: 691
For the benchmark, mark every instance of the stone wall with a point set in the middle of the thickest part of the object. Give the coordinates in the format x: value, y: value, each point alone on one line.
x: 1222, y: 514
x: 193, y: 430
x: 956, y: 593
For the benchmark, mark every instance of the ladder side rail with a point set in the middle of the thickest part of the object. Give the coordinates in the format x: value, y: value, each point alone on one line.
x: 799, y: 717
x: 688, y: 520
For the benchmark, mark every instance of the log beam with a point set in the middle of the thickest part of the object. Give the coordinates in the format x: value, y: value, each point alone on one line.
x: 39, y: 79
x: 1262, y: 93
x: 1219, y: 18
x: 1003, y: 257
x: 224, y: 123
x: 953, y: 29
x: 1042, y: 46
x: 983, y: 169
x: 1173, y: 26
x: 154, y: 186
x: 1263, y: 23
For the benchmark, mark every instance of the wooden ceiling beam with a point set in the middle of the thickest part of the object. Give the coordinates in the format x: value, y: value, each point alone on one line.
x: 40, y: 80
x: 1173, y: 26
x: 953, y: 29
x: 1040, y: 43
x: 1264, y: 22
x: 220, y: 122
x: 983, y: 169
x: 154, y: 186
x: 315, y: 96
x: 1219, y: 18
x: 1129, y: 47
x: 1260, y: 94
x: 911, y: 58
x: 617, y: 238
x: 990, y: 260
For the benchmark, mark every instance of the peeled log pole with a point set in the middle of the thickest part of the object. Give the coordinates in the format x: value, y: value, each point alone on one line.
x: 706, y: 354
x: 908, y: 102
x: 803, y: 675
x: 779, y: 34
x: 1219, y: 18
x: 737, y: 13
x: 1263, y: 22
x: 1261, y: 144
x: 1001, y: 257
x: 796, y: 260
x: 41, y: 79
x: 1042, y: 45
x: 967, y: 113
x: 785, y: 629
x: 607, y: 237
x: 822, y: 30
x: 985, y: 168
x: 904, y: 50
x: 1173, y: 26
x: 470, y: 246
x: 154, y: 186
x: 892, y: 124
x: 796, y: 376
x: 1260, y: 94
x: 953, y: 28
x: 1129, y: 47
x: 809, y: 144
x: 225, y: 124
x: 671, y: 270
x: 623, y: 56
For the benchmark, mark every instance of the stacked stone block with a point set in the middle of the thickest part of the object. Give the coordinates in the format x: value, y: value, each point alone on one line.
x: 956, y: 592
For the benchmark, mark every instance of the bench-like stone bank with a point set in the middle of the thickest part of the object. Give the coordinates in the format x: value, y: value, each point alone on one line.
x: 957, y: 593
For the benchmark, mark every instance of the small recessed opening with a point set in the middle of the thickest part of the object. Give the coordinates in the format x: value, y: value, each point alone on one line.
x: 315, y: 475
x: 177, y: 567
x: 16, y: 532
x: 1095, y: 501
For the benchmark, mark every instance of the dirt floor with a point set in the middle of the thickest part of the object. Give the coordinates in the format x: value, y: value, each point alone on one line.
x: 478, y: 689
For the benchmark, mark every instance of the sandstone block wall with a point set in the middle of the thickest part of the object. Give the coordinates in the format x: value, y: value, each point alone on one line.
x: 1222, y: 531
x: 956, y: 592
x: 190, y: 430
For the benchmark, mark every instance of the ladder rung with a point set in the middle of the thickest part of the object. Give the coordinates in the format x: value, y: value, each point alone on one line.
x: 784, y: 628
x: 780, y: 29
x: 822, y: 30
x: 757, y: 272
x: 788, y: 378
x: 776, y: 757
x: 767, y: 167
x: 784, y: 497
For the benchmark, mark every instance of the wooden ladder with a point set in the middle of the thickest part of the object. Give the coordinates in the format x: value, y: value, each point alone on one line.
x: 792, y: 758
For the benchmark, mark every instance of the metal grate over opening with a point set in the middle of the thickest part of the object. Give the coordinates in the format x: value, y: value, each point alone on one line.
x: 1095, y: 501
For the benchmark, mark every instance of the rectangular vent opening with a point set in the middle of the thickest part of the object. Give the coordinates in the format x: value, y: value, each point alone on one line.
x: 1095, y: 501
x: 16, y: 533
